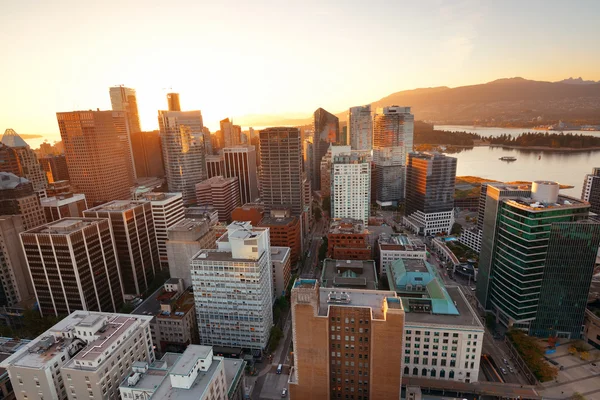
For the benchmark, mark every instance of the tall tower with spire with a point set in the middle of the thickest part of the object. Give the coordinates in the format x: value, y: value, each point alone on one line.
x: 32, y: 169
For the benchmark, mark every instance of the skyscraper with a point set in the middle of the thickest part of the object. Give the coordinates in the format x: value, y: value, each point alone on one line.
x: 221, y: 193
x: 96, y: 157
x: 360, y: 128
x: 231, y: 133
x: 17, y: 197
x: 9, y: 159
x: 240, y: 162
x: 15, y: 279
x: 64, y: 206
x: 215, y: 166
x: 392, y: 140
x: 430, y: 179
x: 364, y: 325
x: 591, y: 190
x: 125, y: 99
x: 135, y: 239
x: 350, y: 184
x: 281, y: 169
x: 183, y: 150
x: 79, y: 254
x: 234, y: 305
x: 537, y: 258
x: 327, y: 131
x: 30, y: 166
x: 55, y: 167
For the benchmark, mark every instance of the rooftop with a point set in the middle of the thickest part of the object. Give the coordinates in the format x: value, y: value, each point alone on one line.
x: 189, y: 357
x: 218, y: 255
x: 12, y: 139
x: 8, y: 180
x: 347, y: 225
x: 159, y: 196
x: 115, y: 330
x: 117, y: 206
x: 349, y: 274
x: 217, y: 181
x: 372, y: 299
x: 400, y: 242
x: 189, y: 224
x: 280, y: 253
x: 56, y: 201
x: 277, y: 221
x: 180, y: 304
x: 562, y: 202
x: 66, y: 226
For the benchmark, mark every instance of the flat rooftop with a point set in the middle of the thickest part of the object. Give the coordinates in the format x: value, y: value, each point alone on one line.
x: 115, y: 330
x: 400, y: 242
x: 189, y: 357
x: 166, y: 391
x: 372, y: 299
x: 414, y: 265
x: 349, y: 274
x: 279, y: 253
x: 218, y: 255
x: 66, y: 226
x: 151, y: 306
x: 347, y: 225
x: 189, y: 224
x: 277, y: 221
x: 117, y: 206
x: 563, y: 202
x: 466, y: 318
x: 61, y: 199
x: 234, y: 370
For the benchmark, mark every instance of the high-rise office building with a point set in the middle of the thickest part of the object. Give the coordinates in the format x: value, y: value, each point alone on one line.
x: 326, y: 173
x: 327, y: 131
x: 9, y: 159
x: 281, y: 176
x: 173, y: 103
x: 55, y: 167
x: 97, y: 158
x: 186, y: 238
x: 135, y: 239
x: 350, y: 184
x: 85, y: 355
x: 549, y: 240
x: 80, y: 256
x: 15, y: 279
x: 430, y: 180
x: 393, y: 129
x: 364, y: 325
x: 183, y: 151
x: 221, y: 193
x: 30, y: 166
x: 282, y: 267
x: 147, y: 153
x: 360, y: 128
x: 125, y: 99
x: 591, y: 190
x: 167, y: 211
x: 240, y: 161
x: 231, y: 133
x: 215, y: 166
x: 64, y: 206
x: 17, y: 197
x: 234, y: 305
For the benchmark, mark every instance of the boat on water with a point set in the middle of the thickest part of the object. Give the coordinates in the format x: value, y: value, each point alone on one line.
x: 507, y: 158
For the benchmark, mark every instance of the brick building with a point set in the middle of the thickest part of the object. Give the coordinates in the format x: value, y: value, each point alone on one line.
x: 253, y: 212
x: 346, y: 343
x: 284, y: 231
x: 348, y: 240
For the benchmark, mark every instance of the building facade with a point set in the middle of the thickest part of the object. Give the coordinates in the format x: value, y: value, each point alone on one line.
x: 135, y: 239
x: 17, y: 197
x: 167, y: 211
x: 240, y: 162
x: 221, y: 193
x: 85, y: 355
x: 214, y: 166
x: 14, y: 278
x: 64, y: 206
x: 30, y: 166
x: 591, y: 190
x: 348, y: 239
x: 124, y: 99
x: 281, y: 273
x: 360, y: 128
x: 281, y: 177
x: 393, y: 130
x: 392, y: 247
x: 55, y: 167
x: 284, y: 231
x: 233, y: 289
x: 80, y: 255
x: 430, y: 180
x: 185, y: 239
x: 350, y: 185
x: 96, y: 153
x: 550, y: 241
x: 183, y: 151
x: 326, y: 128
x: 351, y: 330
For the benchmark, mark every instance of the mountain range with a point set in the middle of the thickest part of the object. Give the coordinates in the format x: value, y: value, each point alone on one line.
x: 504, y: 102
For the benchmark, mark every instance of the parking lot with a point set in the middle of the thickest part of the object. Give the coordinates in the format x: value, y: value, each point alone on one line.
x: 577, y: 375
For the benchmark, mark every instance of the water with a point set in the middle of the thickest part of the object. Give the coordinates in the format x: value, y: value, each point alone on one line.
x: 568, y: 168
x: 486, y: 131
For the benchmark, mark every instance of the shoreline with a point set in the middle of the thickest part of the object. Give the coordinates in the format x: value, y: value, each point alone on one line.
x: 546, y: 148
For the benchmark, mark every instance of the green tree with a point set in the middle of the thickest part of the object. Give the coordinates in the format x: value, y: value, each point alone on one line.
x: 327, y: 204
x: 456, y: 229
x: 276, y: 335
x: 323, y: 249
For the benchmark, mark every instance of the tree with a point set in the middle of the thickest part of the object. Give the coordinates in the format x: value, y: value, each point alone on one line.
x: 323, y: 249
x: 318, y: 214
x: 276, y: 335
x: 327, y: 204
x: 456, y: 229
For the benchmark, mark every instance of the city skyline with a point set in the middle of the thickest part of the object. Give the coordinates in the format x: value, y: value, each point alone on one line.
x: 469, y: 39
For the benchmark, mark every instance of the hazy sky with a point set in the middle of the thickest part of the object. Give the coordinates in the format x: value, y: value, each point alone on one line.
x: 237, y: 57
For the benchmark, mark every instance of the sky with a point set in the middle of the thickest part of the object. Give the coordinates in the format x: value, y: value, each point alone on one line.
x: 240, y: 57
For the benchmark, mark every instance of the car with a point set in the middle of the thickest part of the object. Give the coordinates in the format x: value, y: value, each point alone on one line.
x: 512, y: 371
x: 473, y: 289
x: 503, y: 371
x: 279, y: 369
x: 505, y: 361
x: 284, y: 393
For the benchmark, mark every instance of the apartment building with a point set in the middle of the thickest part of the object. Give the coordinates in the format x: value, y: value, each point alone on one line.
x: 85, y: 355
x: 350, y: 184
x: 348, y: 239
x: 221, y: 193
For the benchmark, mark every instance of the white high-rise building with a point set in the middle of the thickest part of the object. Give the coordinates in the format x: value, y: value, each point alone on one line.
x: 350, y: 184
x: 360, y: 128
x: 183, y: 149
x: 167, y: 211
x: 233, y: 289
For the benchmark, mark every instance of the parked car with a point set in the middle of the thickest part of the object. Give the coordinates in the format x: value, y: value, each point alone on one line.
x: 505, y: 361
x: 512, y: 371
x: 503, y: 371
x: 284, y: 393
